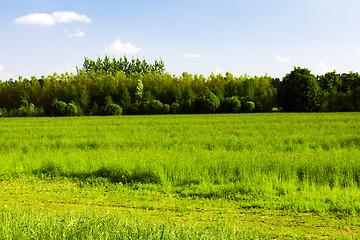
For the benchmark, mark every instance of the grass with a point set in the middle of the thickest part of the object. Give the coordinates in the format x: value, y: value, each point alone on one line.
x: 35, y: 208
x: 89, y: 226
x: 213, y: 176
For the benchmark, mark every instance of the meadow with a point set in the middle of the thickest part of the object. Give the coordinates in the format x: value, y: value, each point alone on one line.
x: 181, y: 176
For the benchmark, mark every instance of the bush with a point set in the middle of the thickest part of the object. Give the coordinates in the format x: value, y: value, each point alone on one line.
x: 112, y: 109
x: 135, y: 108
x: 166, y: 108
x: 175, y: 108
x: 208, y: 102
x: 71, y: 110
x: 156, y: 107
x: 231, y: 105
x: 23, y: 112
x: 188, y: 106
x: 58, y: 108
x: 95, y: 110
x: 13, y: 112
x: 150, y: 107
x: 249, y: 107
x: 39, y: 112
x: 3, y: 112
x: 26, y: 110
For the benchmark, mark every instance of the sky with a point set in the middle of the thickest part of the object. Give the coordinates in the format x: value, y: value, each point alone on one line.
x: 253, y: 37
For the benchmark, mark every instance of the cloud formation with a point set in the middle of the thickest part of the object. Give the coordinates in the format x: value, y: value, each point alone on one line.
x: 118, y: 47
x: 283, y: 59
x: 52, y: 19
x: 193, y: 55
x: 76, y: 33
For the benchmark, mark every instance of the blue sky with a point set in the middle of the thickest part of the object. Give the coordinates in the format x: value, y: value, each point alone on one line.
x: 253, y: 37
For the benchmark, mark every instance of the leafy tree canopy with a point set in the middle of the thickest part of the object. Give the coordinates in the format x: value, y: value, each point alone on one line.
x: 300, y: 92
x: 113, y: 66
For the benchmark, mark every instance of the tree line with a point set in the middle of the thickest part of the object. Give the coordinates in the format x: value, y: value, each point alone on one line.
x: 114, y: 87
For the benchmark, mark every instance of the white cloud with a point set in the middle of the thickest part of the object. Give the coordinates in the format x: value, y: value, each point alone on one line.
x: 193, y: 55
x: 347, y: 55
x: 118, y: 47
x: 36, y: 19
x: 68, y: 17
x: 76, y: 33
x: 284, y: 59
x: 51, y: 19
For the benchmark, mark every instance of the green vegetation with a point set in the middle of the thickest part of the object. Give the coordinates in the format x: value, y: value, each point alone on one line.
x: 17, y: 225
x: 300, y: 92
x: 137, y: 87
x: 198, y: 176
x: 122, y: 65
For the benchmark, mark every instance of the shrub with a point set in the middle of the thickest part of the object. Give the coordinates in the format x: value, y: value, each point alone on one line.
x: 135, y: 108
x: 175, y: 108
x: 3, y: 112
x: 39, y: 112
x: 23, y: 112
x: 95, y: 110
x: 156, y: 107
x: 151, y: 107
x: 26, y: 110
x: 71, y: 110
x: 58, y: 108
x: 188, y: 106
x: 231, y: 105
x: 166, y: 108
x: 12, y: 112
x: 249, y: 107
x: 112, y: 109
x: 208, y: 102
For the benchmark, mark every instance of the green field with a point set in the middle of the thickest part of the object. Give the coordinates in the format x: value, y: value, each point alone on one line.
x: 181, y: 176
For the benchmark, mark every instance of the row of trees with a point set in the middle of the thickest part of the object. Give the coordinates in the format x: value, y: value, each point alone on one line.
x: 105, y: 87
x: 123, y: 64
x: 301, y: 91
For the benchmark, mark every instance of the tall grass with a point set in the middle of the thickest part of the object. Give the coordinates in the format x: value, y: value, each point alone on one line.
x: 21, y: 225
x: 306, y: 162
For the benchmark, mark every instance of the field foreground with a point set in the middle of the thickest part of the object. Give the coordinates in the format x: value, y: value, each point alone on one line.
x: 182, y: 176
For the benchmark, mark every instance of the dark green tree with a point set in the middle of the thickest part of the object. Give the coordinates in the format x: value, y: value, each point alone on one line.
x: 188, y: 100
x: 330, y: 81
x: 207, y: 102
x: 299, y: 92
